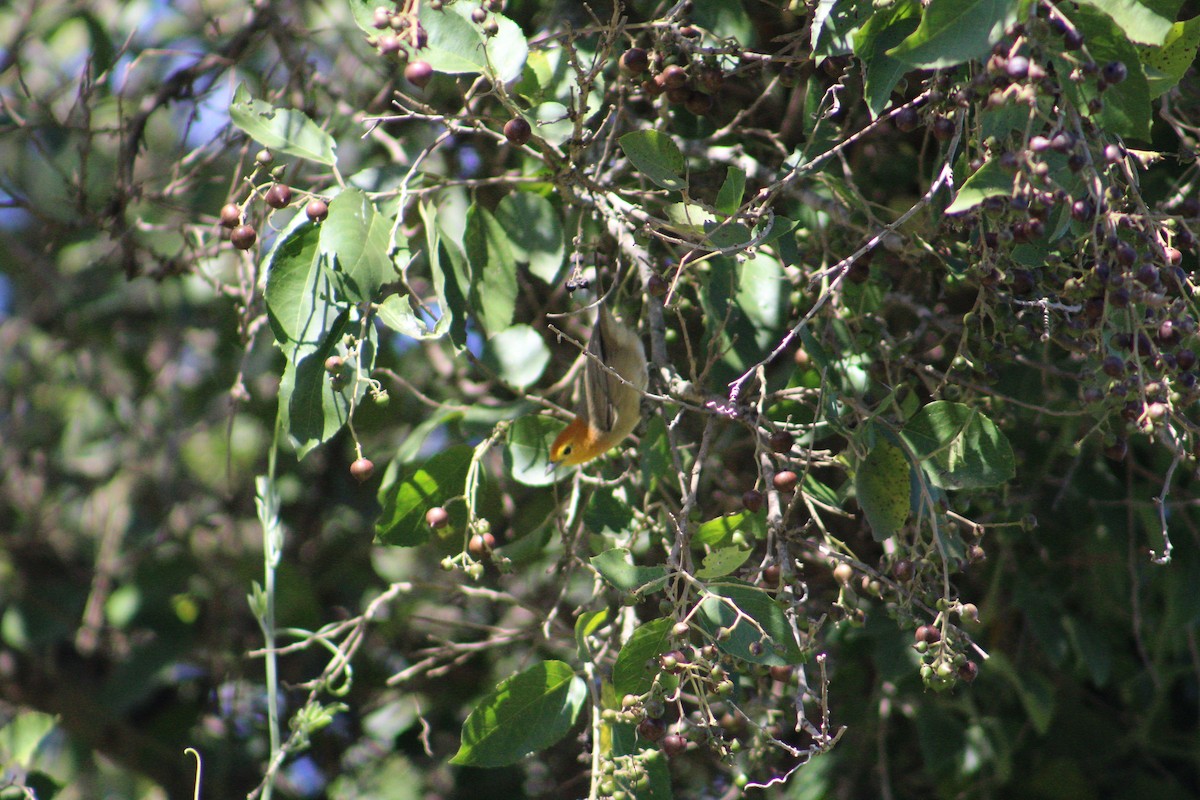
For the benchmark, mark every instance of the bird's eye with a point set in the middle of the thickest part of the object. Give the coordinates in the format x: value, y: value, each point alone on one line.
x: 566, y: 451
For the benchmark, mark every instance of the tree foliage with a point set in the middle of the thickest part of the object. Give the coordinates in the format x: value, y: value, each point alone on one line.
x: 295, y: 297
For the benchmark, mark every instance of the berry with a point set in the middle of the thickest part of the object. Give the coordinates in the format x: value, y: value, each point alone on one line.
x: 279, y: 195
x: 907, y: 119
x: 657, y: 286
x: 943, y: 128
x: 968, y: 671
x: 1072, y: 39
x: 781, y: 441
x: 635, y: 61
x: 1114, y: 72
x: 781, y: 674
x: 1113, y: 366
x: 231, y: 215
x: 362, y: 468
x: 673, y: 77
x: 1017, y: 67
x: 481, y: 544
x: 389, y: 44
x: 902, y: 570
x: 334, y: 364
x: 843, y: 573
x: 437, y: 517
x: 517, y: 131
x: 753, y: 501
x: 491, y: 27
x: 652, y: 730
x: 673, y: 744
x: 317, y: 210
x: 785, y: 481
x: 243, y: 237
x: 479, y: 15
x: 699, y: 103
x: 264, y: 158
x: 418, y: 73
x: 1112, y: 153
x: 928, y: 634
x: 771, y: 575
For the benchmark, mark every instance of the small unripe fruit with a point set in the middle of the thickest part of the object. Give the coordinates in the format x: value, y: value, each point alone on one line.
x: 843, y: 573
x: 243, y: 237
x: 517, y: 131
x: 334, y: 364
x: 753, y: 501
x: 231, y: 215
x: 278, y: 196
x: 317, y: 210
x: 437, y: 517
x: 635, y: 61
x: 264, y: 157
x: 418, y: 73
x: 785, y: 481
x: 491, y: 27
x: 362, y: 469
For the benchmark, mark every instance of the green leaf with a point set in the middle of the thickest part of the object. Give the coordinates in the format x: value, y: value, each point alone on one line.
x: 959, y: 447
x: 281, y: 130
x: 1166, y: 65
x: 357, y: 240
x: 493, y: 270
x: 636, y: 664
x: 835, y: 23
x: 1126, y: 110
x: 616, y: 566
x: 881, y: 483
x: 883, y: 31
x: 19, y: 739
x: 524, y: 714
x: 535, y: 233
x: 729, y: 198
x: 988, y: 181
x: 396, y: 313
x: 299, y: 290
x: 606, y: 514
x: 527, y: 453
x: 434, y: 483
x: 656, y: 156
x: 448, y: 267
x: 718, y: 530
x: 1138, y: 23
x: 518, y: 355
x: 459, y: 46
x: 588, y: 623
x: 760, y: 296
x: 745, y: 609
x: 953, y: 32
x: 722, y: 562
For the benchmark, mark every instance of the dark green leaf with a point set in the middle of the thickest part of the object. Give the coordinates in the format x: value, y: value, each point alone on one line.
x: 607, y: 514
x: 835, y: 23
x: 990, y: 180
x: 281, y: 130
x: 434, y: 483
x: 524, y: 714
x: 953, y: 32
x: 616, y: 566
x: 1126, y: 110
x: 883, y: 31
x: 493, y: 270
x: 729, y: 198
x: 636, y: 665
x: 745, y: 610
x: 959, y: 447
x: 656, y: 156
x: 299, y: 292
x: 535, y: 233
